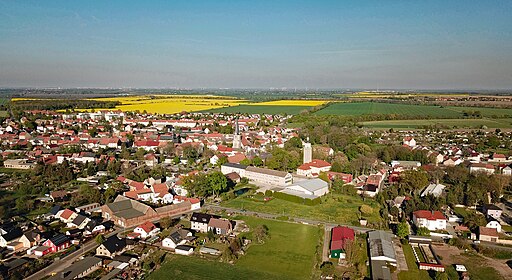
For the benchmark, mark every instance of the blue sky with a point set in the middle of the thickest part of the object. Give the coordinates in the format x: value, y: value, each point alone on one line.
x: 240, y: 44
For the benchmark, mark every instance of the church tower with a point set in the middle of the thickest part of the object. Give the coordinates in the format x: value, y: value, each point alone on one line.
x: 237, y: 138
x: 308, y: 152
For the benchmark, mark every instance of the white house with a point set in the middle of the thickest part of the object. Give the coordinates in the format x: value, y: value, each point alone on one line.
x: 492, y: 223
x: 409, y: 141
x: 199, y: 222
x: 313, y: 168
x: 146, y: 230
x: 481, y: 167
x: 433, y: 220
x: 176, y: 238
x: 507, y: 171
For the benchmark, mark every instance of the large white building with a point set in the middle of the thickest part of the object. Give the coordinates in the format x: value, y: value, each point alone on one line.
x: 312, y: 188
x: 433, y: 220
x: 259, y: 175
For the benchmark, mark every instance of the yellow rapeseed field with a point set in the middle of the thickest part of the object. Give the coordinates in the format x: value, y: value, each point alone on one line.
x: 170, y: 104
x: 310, y: 103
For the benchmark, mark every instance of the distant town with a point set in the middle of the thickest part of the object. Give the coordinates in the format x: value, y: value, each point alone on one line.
x: 114, y: 194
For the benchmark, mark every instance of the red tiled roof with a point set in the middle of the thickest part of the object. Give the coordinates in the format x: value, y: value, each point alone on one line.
x: 318, y: 163
x: 147, y: 227
x: 339, y: 237
x: 488, y: 231
x: 429, y: 215
x: 66, y: 214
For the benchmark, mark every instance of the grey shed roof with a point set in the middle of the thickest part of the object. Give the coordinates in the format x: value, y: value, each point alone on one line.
x: 380, y: 271
x: 77, y: 268
x: 127, y: 208
x: 381, y: 244
x: 266, y: 171
x: 235, y: 165
x: 312, y: 184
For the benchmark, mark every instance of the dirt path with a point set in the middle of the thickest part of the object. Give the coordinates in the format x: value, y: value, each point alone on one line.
x: 452, y: 255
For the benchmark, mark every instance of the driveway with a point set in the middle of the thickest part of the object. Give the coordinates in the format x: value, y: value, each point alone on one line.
x: 401, y: 262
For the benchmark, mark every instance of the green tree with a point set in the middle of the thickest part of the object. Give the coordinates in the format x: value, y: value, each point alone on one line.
x: 218, y: 182
x: 423, y: 231
x: 100, y: 239
x: 402, y: 230
x: 412, y: 180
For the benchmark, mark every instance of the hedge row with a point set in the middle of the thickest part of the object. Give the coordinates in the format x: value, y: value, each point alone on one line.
x: 293, y: 198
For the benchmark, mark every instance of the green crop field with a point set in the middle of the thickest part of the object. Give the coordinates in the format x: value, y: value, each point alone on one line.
x: 288, y: 254
x: 452, y: 123
x: 261, y: 109
x: 368, y: 108
x: 343, y: 209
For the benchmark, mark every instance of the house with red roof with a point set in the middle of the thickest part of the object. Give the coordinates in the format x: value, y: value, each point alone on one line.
x: 313, y: 168
x: 147, y: 229
x: 481, y: 168
x: 433, y: 220
x: 66, y: 215
x: 339, y: 238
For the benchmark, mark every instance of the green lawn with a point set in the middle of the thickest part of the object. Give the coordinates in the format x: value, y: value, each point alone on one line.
x: 337, y: 208
x: 290, y: 253
x: 455, y: 123
x: 261, y: 109
x: 193, y: 268
x: 414, y: 272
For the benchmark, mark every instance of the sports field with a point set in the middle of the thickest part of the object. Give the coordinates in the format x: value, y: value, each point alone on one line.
x: 368, y: 108
x: 288, y: 254
x: 328, y: 210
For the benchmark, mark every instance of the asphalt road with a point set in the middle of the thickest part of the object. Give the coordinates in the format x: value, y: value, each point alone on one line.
x: 61, y: 264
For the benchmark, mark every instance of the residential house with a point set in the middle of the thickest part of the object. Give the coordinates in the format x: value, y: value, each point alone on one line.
x: 12, y: 235
x: 488, y: 234
x: 220, y: 226
x: 409, y: 141
x: 30, y: 238
x: 176, y: 238
x: 493, y: 223
x: 492, y: 210
x: 481, y: 167
x: 433, y: 220
x: 66, y: 215
x: 57, y: 243
x: 313, y: 168
x: 111, y: 247
x: 147, y: 229
x: 199, y: 221
x: 339, y: 238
